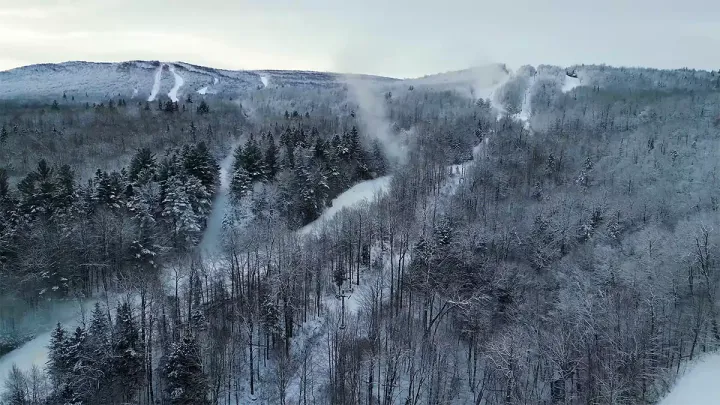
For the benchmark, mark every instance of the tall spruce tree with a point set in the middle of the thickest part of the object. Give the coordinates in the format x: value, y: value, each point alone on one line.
x: 186, y: 382
x: 128, y: 358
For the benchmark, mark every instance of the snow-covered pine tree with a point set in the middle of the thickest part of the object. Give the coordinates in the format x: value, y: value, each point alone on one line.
x: 127, y: 350
x: 98, y: 365
x: 271, y: 156
x: 142, y: 166
x: 241, y: 183
x: 178, y: 211
x: 58, y: 363
x: 198, y: 162
x: 253, y: 160
x: 186, y: 383
x: 203, y: 108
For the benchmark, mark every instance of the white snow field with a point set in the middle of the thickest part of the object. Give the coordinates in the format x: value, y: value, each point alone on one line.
x: 570, y: 83
x: 173, y: 94
x: 699, y: 385
x: 156, y: 85
x: 264, y: 80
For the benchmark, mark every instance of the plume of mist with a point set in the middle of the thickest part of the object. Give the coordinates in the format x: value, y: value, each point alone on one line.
x: 373, y: 117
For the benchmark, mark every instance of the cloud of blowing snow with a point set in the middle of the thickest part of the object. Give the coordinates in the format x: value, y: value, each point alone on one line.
x: 373, y: 117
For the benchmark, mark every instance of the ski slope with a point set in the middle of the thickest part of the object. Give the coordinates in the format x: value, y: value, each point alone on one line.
x: 526, y: 109
x: 35, y: 351
x: 699, y: 385
x: 211, y: 237
x: 570, y: 83
x: 156, y: 85
x: 173, y: 94
x: 358, y: 193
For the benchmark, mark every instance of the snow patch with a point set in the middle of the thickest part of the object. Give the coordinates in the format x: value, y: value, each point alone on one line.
x: 570, y: 83
x: 698, y: 386
x: 179, y: 81
x: 156, y: 84
x: 264, y: 80
x: 203, y: 91
x: 135, y: 93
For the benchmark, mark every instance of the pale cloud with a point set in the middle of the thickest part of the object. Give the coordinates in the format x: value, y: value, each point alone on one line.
x: 398, y: 38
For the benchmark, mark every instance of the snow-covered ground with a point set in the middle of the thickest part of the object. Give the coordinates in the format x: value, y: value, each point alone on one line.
x: 173, y: 94
x: 210, y: 241
x: 206, y: 89
x: 264, y: 80
x: 526, y: 109
x: 156, y: 85
x: 363, y: 191
x: 699, y: 385
x: 570, y: 83
x: 35, y: 351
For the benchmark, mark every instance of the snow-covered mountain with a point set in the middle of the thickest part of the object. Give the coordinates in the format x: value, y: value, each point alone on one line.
x: 150, y: 80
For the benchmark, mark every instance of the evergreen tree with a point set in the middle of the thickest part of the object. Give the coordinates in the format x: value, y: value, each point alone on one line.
x: 203, y: 108
x: 379, y: 162
x: 199, y: 163
x: 142, y: 166
x: 109, y: 189
x: 271, y: 154
x: 66, y: 193
x: 58, y: 360
x: 253, y: 161
x: 127, y: 349
x: 3, y: 134
x: 55, y: 106
x: 37, y: 191
x: 186, y: 382
x: 241, y: 183
x: 179, y: 213
x: 193, y: 131
x: 4, y: 184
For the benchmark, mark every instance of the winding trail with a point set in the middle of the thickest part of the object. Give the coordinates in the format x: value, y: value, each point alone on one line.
x: 156, y: 84
x: 179, y: 81
x: 210, y: 240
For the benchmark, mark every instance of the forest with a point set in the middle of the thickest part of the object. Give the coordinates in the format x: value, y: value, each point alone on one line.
x: 546, y: 244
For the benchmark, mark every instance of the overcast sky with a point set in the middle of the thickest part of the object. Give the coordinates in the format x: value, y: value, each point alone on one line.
x: 401, y: 38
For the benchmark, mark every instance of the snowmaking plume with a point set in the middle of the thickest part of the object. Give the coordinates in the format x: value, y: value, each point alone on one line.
x: 373, y: 117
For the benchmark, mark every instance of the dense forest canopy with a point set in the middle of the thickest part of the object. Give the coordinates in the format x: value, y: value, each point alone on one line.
x: 548, y: 237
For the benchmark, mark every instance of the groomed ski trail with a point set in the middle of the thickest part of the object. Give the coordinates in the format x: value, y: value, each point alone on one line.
x: 179, y: 81
x: 156, y: 84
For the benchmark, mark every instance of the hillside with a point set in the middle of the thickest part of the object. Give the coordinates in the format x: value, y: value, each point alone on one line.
x: 146, y: 80
x: 542, y: 236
